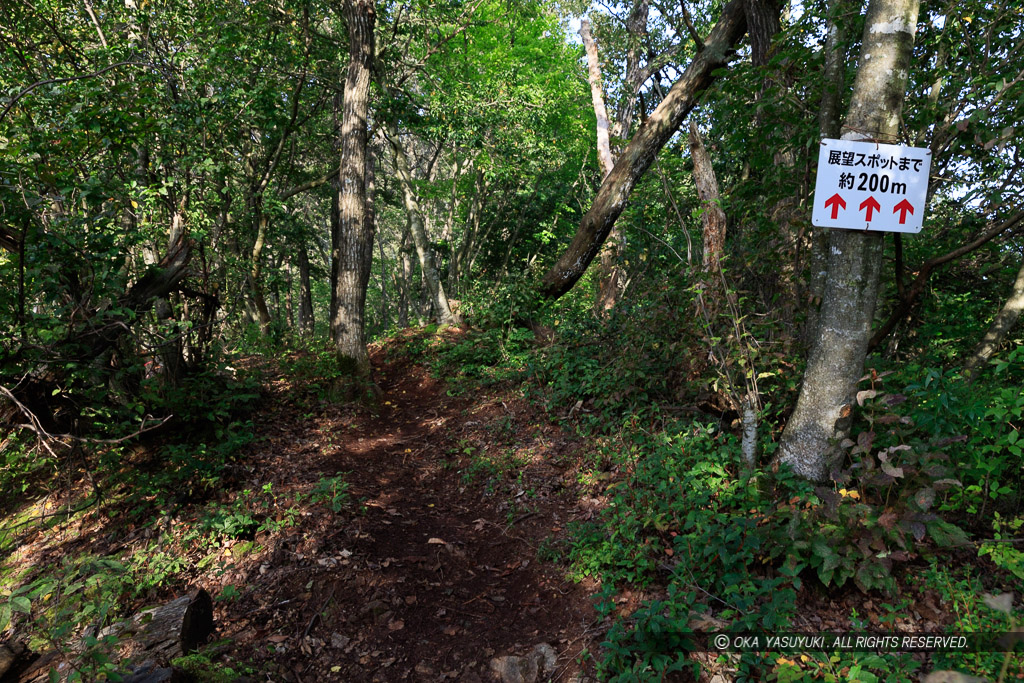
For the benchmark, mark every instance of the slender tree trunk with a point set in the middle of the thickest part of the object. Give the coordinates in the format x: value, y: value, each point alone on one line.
x: 610, y: 277
x: 355, y: 229
x: 823, y: 410
x: 834, y: 78
x: 461, y: 257
x: 384, y: 319
x: 639, y: 154
x: 1004, y: 321
x: 335, y: 255
x: 306, y: 321
x: 604, y: 147
x: 419, y: 234
x: 405, y: 292
x: 712, y: 215
x: 255, y: 275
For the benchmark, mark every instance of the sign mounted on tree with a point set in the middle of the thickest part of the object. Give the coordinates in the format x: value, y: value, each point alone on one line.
x: 871, y: 186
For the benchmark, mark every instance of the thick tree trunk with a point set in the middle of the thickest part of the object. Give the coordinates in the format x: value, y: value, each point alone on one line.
x: 1004, y: 321
x: 822, y: 414
x: 332, y: 314
x: 419, y: 234
x: 355, y: 229
x: 762, y: 25
x: 641, y: 151
x: 155, y: 635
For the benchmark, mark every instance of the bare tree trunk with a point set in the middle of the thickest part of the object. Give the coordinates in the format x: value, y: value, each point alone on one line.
x: 823, y: 410
x: 712, y: 215
x: 461, y: 256
x: 604, y: 147
x: 335, y: 255
x: 611, y: 276
x: 1004, y: 321
x: 639, y: 154
x: 828, y: 127
x: 255, y: 274
x: 306, y: 321
x: 419, y: 234
x: 762, y: 25
x: 405, y: 292
x: 355, y: 229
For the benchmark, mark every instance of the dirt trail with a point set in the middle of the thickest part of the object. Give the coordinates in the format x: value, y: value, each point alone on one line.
x: 438, y: 573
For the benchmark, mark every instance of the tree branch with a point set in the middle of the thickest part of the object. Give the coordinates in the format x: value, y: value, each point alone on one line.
x: 917, y: 287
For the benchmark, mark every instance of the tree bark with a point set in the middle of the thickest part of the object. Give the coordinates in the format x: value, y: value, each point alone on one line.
x: 828, y: 127
x: 306, y: 320
x: 612, y: 276
x: 608, y: 281
x: 419, y: 234
x: 355, y: 228
x: 460, y: 258
x: 604, y: 147
x: 639, y: 154
x: 823, y: 410
x: 1004, y: 321
x: 762, y: 24
x: 712, y: 216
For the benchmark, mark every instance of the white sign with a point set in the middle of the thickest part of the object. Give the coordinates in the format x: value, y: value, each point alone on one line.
x: 871, y: 186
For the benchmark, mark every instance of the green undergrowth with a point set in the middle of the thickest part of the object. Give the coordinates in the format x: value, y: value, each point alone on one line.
x: 932, y: 467
x: 99, y: 494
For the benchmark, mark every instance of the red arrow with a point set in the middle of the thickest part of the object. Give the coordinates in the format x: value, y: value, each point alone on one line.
x: 835, y: 201
x: 903, y: 207
x: 872, y: 205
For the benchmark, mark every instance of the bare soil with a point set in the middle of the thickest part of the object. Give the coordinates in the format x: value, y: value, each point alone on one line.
x: 431, y: 570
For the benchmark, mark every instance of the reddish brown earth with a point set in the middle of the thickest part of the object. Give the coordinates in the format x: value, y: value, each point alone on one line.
x: 429, y: 572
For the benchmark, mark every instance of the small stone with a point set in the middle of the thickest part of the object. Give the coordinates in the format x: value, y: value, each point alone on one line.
x: 546, y: 657
x: 951, y: 677
x: 511, y: 669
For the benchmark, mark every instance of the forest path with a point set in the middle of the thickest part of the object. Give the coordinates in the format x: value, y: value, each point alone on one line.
x: 431, y: 571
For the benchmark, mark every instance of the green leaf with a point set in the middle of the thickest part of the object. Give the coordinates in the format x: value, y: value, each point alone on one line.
x: 946, y: 535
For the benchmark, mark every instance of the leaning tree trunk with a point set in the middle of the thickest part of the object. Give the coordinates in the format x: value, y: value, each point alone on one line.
x: 641, y: 151
x: 355, y: 230
x: 1000, y: 327
x: 822, y: 414
x: 419, y: 234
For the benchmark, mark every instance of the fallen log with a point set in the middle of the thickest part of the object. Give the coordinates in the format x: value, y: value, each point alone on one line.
x: 163, y: 633
x: 10, y: 652
x: 152, y: 637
